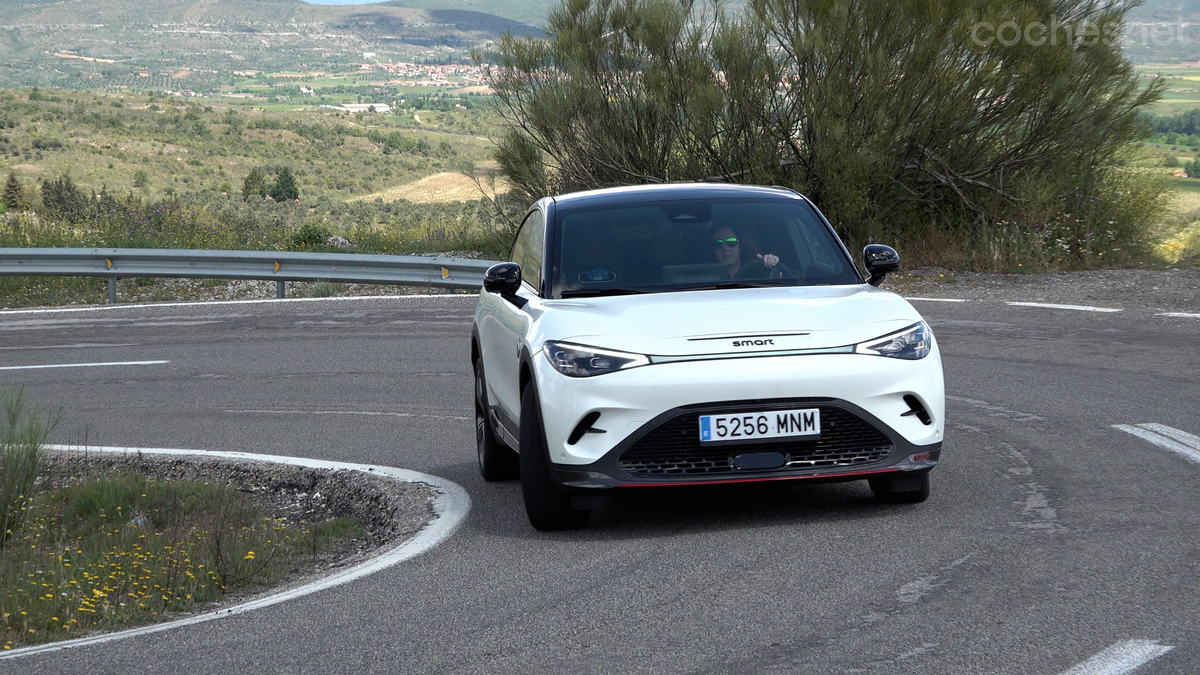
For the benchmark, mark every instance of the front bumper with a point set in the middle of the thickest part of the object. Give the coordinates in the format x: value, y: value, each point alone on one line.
x: 666, y: 451
x: 621, y: 404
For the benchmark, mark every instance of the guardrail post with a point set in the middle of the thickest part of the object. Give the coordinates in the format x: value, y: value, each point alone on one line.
x: 112, y: 290
x: 280, y: 290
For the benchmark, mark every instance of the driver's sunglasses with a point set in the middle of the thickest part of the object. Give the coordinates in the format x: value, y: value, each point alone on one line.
x: 730, y: 242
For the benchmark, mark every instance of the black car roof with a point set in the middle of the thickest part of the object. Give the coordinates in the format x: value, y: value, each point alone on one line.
x: 634, y: 194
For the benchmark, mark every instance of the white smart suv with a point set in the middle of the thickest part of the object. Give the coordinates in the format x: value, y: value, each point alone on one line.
x: 694, y: 334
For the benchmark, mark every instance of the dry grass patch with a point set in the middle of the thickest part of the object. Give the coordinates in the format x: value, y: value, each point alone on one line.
x: 440, y: 187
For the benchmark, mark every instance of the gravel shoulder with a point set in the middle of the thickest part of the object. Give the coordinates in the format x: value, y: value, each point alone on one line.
x: 1170, y: 290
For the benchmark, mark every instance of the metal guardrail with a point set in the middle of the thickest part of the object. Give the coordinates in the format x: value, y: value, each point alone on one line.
x: 279, y: 266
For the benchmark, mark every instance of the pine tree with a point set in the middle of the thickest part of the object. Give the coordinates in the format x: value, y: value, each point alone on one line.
x: 285, y: 188
x: 12, y: 192
x: 64, y: 198
x: 255, y: 183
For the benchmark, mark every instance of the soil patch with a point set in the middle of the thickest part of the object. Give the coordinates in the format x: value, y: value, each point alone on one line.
x: 441, y: 187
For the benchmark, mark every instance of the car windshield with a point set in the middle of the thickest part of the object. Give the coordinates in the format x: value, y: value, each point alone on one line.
x: 694, y: 244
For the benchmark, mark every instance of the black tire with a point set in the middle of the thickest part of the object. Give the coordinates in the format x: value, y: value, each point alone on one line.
x: 547, y: 505
x: 910, y: 489
x: 497, y: 462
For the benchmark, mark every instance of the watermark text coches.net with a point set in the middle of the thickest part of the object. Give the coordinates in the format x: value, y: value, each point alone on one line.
x: 1078, y: 34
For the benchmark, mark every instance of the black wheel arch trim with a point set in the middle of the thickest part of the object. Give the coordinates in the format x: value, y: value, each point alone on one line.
x: 505, y: 427
x: 524, y: 363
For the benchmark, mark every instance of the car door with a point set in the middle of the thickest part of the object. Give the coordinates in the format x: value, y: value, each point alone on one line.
x: 505, y: 324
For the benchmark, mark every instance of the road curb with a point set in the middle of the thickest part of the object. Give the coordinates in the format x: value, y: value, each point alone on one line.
x: 450, y: 506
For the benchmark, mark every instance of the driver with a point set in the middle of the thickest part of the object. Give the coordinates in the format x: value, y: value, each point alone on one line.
x: 736, y: 254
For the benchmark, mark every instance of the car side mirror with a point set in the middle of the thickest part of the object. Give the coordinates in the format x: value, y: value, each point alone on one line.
x: 880, y: 261
x: 504, y: 279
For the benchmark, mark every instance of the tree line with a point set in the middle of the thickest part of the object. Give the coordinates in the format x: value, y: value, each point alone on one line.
x: 1186, y: 123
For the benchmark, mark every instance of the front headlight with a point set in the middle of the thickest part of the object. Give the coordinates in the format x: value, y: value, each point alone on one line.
x: 911, y: 343
x: 581, y: 361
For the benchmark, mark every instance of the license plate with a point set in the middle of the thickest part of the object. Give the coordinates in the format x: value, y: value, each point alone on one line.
x: 755, y: 426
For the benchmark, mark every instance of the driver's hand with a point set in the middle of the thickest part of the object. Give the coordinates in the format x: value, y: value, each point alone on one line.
x: 769, y: 260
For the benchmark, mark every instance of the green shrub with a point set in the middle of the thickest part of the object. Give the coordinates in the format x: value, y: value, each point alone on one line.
x: 322, y: 289
x: 22, y: 436
x: 310, y: 234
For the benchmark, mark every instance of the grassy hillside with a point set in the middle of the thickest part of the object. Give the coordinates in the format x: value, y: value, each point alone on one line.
x: 163, y: 146
x: 530, y: 11
x: 164, y: 172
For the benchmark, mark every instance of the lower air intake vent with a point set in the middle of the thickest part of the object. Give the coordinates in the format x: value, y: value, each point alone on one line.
x: 673, y: 447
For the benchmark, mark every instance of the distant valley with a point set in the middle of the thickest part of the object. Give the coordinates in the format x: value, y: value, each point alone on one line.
x: 206, y: 44
x: 210, y: 45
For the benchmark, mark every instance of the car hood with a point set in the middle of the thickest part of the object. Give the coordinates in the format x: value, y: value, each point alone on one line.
x: 727, y: 321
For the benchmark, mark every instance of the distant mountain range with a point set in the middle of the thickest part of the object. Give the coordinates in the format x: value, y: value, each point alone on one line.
x: 1167, y: 9
x: 113, y: 43
x: 1164, y: 31
x: 66, y: 12
x: 119, y: 43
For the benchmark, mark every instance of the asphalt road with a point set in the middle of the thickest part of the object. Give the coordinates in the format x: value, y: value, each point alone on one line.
x: 1050, y: 535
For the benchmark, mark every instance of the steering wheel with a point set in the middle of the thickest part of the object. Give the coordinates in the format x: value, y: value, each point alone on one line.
x: 757, y: 269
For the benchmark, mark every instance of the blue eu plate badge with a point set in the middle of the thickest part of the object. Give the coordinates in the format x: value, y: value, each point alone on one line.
x: 705, y: 428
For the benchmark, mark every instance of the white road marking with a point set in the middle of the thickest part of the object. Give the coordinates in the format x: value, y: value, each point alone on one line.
x: 938, y: 299
x: 1180, y: 315
x: 450, y: 508
x: 1122, y: 657
x: 1184, y: 437
x: 1144, y: 432
x: 86, y: 365
x: 1079, y: 308
x: 100, y: 308
x: 366, y: 413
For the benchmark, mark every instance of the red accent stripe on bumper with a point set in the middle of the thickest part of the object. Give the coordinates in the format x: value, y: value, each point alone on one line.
x: 760, y: 480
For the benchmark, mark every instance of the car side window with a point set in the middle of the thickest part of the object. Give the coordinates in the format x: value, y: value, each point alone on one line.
x: 528, y: 247
x: 520, y: 243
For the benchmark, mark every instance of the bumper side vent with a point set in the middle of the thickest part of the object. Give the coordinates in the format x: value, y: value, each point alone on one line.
x: 915, y: 408
x: 584, y: 427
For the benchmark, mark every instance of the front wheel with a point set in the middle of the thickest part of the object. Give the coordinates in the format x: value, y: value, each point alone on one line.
x: 904, y: 489
x: 547, y: 505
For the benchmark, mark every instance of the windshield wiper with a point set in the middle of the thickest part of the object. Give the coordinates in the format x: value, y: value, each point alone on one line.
x: 598, y: 292
x: 734, y: 284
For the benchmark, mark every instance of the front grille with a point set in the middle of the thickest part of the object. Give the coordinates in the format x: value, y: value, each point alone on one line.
x: 673, y: 447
